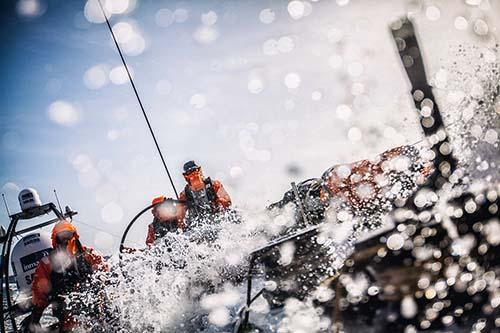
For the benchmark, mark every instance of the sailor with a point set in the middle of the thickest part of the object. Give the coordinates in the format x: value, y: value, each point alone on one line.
x: 203, y: 196
x: 67, y: 268
x: 168, y: 217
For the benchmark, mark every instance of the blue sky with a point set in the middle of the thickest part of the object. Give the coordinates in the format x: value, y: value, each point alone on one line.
x: 220, y: 86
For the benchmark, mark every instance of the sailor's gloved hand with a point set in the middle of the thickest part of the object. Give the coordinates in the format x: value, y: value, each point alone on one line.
x: 34, y: 328
x: 36, y: 315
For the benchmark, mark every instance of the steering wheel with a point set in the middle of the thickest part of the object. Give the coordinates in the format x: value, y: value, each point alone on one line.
x: 131, y: 223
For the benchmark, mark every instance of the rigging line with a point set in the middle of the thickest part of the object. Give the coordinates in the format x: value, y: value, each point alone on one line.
x: 102, y: 230
x: 138, y: 99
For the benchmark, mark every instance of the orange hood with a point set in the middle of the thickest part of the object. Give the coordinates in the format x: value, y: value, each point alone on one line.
x: 66, y: 226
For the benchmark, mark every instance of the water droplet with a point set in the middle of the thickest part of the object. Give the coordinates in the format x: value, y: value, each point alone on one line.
x: 113, y: 134
x: 355, y: 69
x: 123, y: 31
x: 181, y: 15
x: 343, y: 112
x: 481, y: 27
x: 285, y: 44
x: 103, y: 240
x: 354, y: 134
x: 267, y: 16
x: 289, y: 105
x: 236, y: 172
x: 198, y: 101
x: 292, y: 80
x: 64, y: 113
x: 164, y: 18
x: 209, y: 18
x: 409, y: 307
x: 357, y: 88
x: 316, y: 95
x: 119, y: 6
x: 433, y: 13
x: 491, y: 136
x: 96, y: 77
x: 255, y: 86
x: 476, y: 131
x: 93, y: 13
x: 118, y: 75
x: 461, y: 23
x: 112, y: 213
x: 335, y: 61
x: 163, y: 87
x: 342, y: 3
x: 270, y: 47
x: 30, y: 8
x: 219, y: 317
x: 206, y: 34
x: 296, y: 9
x: 395, y: 242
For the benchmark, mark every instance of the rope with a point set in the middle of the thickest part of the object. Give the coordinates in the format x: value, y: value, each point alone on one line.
x: 102, y: 230
x: 138, y: 98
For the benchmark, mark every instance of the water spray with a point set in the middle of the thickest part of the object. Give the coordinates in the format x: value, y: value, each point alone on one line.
x: 299, y: 203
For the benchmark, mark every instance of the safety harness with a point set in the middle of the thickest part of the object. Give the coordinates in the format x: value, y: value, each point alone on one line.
x: 202, y: 201
x: 161, y: 229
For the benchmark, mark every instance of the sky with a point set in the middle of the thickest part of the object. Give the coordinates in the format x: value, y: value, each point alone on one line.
x: 260, y: 93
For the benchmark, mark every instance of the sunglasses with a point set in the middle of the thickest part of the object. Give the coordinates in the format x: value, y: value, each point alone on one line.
x: 190, y: 172
x: 64, y: 236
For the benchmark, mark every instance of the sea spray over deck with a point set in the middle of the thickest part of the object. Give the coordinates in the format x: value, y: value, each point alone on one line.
x: 185, y: 283
x: 469, y: 85
x: 161, y: 288
x: 193, y: 280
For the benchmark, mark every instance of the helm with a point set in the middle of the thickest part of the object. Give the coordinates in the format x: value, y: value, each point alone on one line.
x: 65, y: 227
x: 159, y: 199
x: 190, y: 166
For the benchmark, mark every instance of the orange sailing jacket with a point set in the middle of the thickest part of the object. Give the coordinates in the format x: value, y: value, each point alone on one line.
x: 153, y: 232
x: 42, y: 284
x: 360, y: 182
x: 222, y: 198
x: 222, y: 201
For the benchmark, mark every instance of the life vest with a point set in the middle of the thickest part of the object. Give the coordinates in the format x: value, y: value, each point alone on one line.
x: 161, y: 229
x: 71, y: 278
x: 202, y: 201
